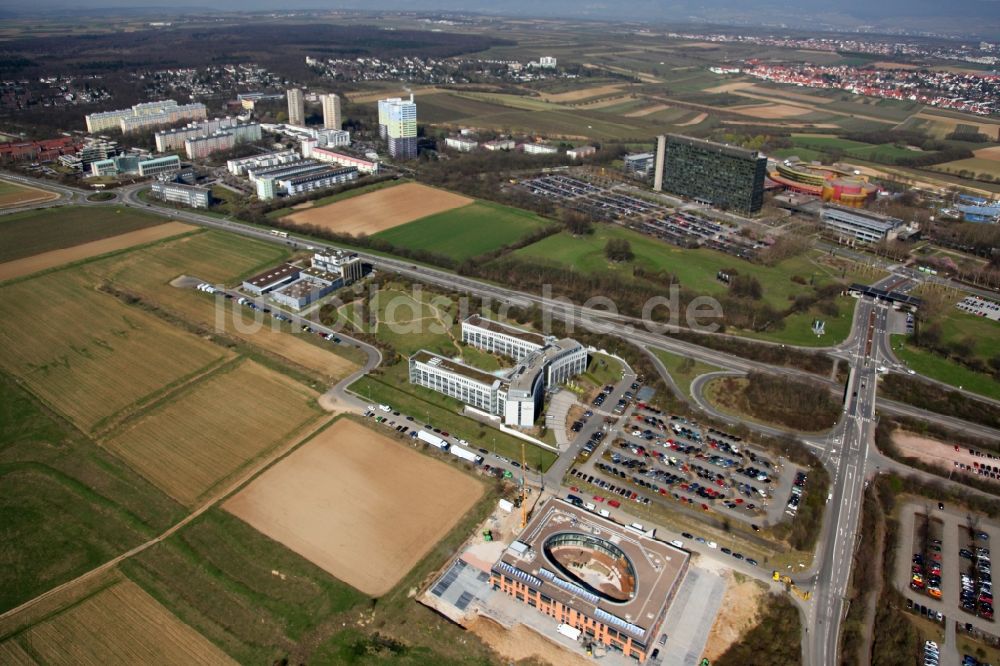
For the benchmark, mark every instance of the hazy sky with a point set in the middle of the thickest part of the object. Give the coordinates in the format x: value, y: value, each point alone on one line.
x: 798, y: 12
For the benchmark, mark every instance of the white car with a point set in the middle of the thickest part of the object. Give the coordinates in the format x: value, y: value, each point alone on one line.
x: 677, y: 543
x: 711, y: 544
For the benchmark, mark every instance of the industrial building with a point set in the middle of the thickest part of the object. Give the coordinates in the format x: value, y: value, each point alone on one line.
x: 856, y: 225
x: 239, y: 166
x: 397, y: 123
x: 311, y: 285
x: 187, y: 195
x: 713, y: 173
x: 517, y: 395
x: 613, y: 584
x: 296, y: 107
x: 331, y: 111
x: 271, y: 279
x: 143, y: 116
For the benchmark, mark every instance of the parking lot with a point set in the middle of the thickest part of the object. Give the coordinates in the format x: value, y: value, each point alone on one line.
x: 980, y: 307
x: 642, y: 455
x: 943, y: 566
x: 683, y: 228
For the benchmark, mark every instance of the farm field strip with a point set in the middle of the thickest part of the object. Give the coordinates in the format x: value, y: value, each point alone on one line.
x: 40, y: 262
x: 335, y: 502
x: 18, y: 195
x: 119, y: 624
x: 88, y: 356
x: 200, y: 438
x: 377, y: 211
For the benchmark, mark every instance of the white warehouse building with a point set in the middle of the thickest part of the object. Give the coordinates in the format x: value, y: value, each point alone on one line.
x: 860, y: 225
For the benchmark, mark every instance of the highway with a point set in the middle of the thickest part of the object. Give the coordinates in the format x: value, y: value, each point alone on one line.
x: 847, y: 449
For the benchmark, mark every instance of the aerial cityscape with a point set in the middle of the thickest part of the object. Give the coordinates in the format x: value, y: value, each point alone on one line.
x: 454, y: 333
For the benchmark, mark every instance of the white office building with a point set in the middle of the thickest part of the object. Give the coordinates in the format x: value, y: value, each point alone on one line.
x: 462, y: 144
x: 851, y: 224
x: 539, y: 149
x: 330, y: 156
x: 317, y: 179
x: 173, y: 139
x: 346, y: 264
x: 517, y: 395
x: 187, y: 195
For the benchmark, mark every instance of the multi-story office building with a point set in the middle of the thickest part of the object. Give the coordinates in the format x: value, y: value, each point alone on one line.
x: 362, y: 165
x: 157, y: 166
x: 499, y: 144
x: 497, y: 338
x: 94, y: 150
x: 311, y: 286
x: 713, y: 173
x: 472, y: 386
x: 347, y: 264
x: 296, y: 107
x: 399, y: 119
x: 135, y: 165
x: 547, y: 62
x: 612, y: 583
x: 581, y: 152
x: 639, y: 165
x: 858, y: 225
x: 331, y: 111
x: 200, y: 147
x: 518, y: 397
x: 195, y: 197
x: 240, y: 165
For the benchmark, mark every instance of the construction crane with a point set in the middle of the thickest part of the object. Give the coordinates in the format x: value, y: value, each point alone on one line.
x: 524, y: 500
x: 805, y: 595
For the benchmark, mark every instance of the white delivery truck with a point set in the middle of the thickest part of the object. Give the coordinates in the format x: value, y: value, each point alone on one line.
x: 432, y: 439
x: 569, y: 632
x: 466, y: 454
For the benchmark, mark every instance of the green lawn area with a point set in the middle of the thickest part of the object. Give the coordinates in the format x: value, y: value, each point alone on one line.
x: 7, y: 187
x: 466, y: 232
x: 389, y: 391
x: 804, y: 154
x: 36, y: 231
x: 410, y: 325
x: 696, y: 269
x: 944, y: 370
x: 603, y: 369
x: 884, y: 152
x: 798, y: 327
x: 683, y: 370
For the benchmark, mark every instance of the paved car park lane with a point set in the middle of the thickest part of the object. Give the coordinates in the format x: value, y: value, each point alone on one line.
x: 691, y: 616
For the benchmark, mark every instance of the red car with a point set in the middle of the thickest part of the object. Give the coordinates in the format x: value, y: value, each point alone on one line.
x: 614, y: 503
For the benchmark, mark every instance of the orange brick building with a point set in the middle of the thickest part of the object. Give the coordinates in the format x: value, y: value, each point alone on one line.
x: 613, y: 583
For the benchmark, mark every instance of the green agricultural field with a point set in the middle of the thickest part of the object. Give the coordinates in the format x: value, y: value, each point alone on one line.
x: 977, y: 166
x: 466, y: 232
x: 218, y: 576
x: 36, y: 231
x: 683, y: 370
x: 67, y: 505
x: 884, y: 152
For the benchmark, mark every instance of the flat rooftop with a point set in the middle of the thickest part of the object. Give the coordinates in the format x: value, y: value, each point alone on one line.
x: 299, y: 288
x: 272, y: 275
x: 633, y: 603
x: 704, y: 144
x: 468, y: 371
x: 497, y: 327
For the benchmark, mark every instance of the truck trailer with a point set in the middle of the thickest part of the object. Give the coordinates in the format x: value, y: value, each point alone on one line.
x: 433, y: 440
x: 466, y: 454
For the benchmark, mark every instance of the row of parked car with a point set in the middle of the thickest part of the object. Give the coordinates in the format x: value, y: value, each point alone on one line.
x: 798, y: 488
x: 924, y: 611
x: 932, y: 654
x: 977, y: 583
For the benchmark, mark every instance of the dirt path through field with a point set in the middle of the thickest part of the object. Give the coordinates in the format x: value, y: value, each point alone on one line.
x: 694, y: 121
x: 639, y: 113
x: 40, y: 262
